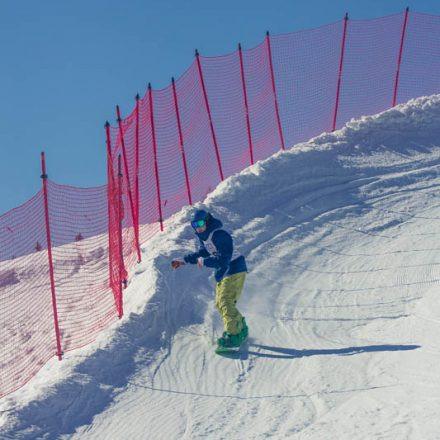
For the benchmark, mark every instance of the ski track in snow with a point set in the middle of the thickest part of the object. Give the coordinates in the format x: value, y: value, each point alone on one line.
x: 340, y: 235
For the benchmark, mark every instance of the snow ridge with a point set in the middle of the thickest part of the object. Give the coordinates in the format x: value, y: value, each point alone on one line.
x: 340, y: 238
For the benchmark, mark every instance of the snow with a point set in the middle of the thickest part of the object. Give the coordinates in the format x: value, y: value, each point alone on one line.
x: 340, y: 235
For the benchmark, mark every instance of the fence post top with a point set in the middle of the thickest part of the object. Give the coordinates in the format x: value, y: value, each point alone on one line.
x: 239, y: 46
x: 43, y: 166
x: 197, y: 53
x: 107, y: 124
x: 137, y: 97
x: 346, y: 16
x: 149, y: 86
x: 118, y: 114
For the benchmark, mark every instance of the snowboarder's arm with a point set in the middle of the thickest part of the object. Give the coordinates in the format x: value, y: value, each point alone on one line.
x: 192, y: 258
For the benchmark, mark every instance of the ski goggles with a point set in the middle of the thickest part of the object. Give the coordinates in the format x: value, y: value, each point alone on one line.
x: 198, y: 224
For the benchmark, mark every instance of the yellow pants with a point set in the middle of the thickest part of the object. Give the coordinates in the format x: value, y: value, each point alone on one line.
x: 227, y: 292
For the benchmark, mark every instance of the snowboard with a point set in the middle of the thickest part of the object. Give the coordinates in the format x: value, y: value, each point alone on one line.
x: 229, y: 351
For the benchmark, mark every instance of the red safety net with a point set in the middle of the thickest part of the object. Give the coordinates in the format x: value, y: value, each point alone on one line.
x: 223, y: 114
x: 80, y: 248
x: 85, y: 303
x: 27, y: 336
x: 419, y: 72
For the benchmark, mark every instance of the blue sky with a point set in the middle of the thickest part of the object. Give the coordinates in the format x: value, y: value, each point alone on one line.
x: 66, y: 64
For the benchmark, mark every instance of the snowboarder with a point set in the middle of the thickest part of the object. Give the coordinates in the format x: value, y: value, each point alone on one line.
x: 216, y: 250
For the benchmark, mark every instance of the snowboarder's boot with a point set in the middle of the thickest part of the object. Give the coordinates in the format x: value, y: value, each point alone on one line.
x: 229, y: 341
x: 244, y: 330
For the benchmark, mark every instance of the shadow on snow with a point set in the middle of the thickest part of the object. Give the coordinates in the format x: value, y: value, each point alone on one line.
x: 291, y: 353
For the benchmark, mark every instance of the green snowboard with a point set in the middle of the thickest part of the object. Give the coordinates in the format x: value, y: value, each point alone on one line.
x: 224, y: 351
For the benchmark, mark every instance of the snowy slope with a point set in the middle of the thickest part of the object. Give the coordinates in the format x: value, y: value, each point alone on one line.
x: 341, y: 238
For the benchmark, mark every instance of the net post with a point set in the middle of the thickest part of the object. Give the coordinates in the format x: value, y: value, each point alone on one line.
x: 208, y: 110
x: 127, y: 176
x: 341, y: 64
x: 113, y: 202
x: 49, y: 255
x: 399, y: 60
x: 122, y: 271
x: 182, y: 148
x: 156, y: 167
x: 136, y: 182
x: 277, y: 111
x: 246, y: 106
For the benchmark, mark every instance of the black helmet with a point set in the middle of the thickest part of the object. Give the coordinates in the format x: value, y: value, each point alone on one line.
x: 198, y: 215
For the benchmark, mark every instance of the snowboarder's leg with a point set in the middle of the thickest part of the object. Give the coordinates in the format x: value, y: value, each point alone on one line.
x: 228, y: 292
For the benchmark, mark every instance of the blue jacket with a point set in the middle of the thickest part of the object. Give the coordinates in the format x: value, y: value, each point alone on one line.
x: 220, y: 257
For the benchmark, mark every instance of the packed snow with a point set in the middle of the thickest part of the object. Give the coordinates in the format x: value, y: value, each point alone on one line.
x: 342, y: 302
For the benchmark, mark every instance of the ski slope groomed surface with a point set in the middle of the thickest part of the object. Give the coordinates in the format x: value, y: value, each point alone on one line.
x: 342, y: 299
